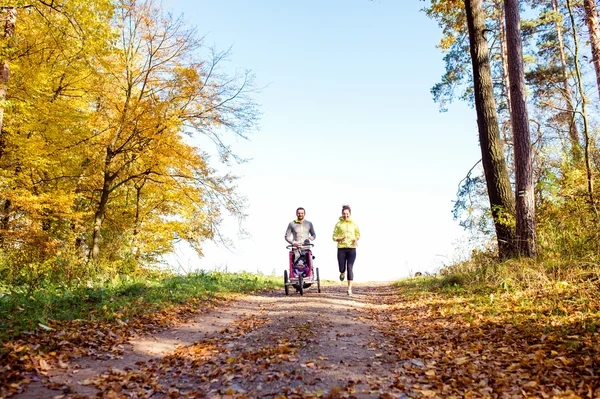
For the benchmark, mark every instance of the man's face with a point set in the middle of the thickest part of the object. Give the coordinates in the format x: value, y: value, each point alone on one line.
x: 300, y: 214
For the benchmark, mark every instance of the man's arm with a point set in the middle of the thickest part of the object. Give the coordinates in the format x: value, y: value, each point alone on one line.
x: 289, y: 235
x: 311, y: 232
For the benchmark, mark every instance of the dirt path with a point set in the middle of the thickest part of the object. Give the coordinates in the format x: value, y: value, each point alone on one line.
x: 319, y: 345
x: 378, y: 343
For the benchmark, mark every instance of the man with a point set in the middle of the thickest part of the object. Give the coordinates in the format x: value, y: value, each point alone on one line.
x: 299, y: 231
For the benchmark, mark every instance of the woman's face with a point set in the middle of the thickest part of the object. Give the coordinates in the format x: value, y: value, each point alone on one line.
x: 346, y: 214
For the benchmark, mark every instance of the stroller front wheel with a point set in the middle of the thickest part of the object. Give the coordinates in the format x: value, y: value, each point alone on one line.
x: 300, y: 284
x: 318, y: 280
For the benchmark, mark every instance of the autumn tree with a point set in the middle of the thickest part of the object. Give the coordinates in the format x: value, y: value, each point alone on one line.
x: 154, y: 89
x: 44, y: 117
x: 113, y: 113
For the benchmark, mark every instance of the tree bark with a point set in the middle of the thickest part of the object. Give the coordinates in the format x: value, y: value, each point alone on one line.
x: 526, y: 230
x: 98, y: 219
x: 107, y: 188
x: 492, y: 152
x: 505, y: 78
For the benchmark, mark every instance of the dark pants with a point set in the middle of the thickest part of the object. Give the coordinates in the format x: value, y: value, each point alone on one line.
x: 346, y: 258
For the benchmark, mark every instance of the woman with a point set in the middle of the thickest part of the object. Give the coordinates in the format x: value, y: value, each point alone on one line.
x: 346, y: 233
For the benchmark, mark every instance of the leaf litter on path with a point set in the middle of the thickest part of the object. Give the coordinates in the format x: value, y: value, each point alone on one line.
x: 377, y: 343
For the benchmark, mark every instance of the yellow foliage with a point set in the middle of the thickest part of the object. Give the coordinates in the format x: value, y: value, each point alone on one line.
x: 94, y: 152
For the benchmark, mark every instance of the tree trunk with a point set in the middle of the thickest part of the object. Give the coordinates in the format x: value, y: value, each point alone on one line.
x: 101, y: 210
x: 586, y: 128
x: 591, y: 19
x: 98, y: 219
x: 492, y: 152
x: 505, y: 78
x: 526, y: 231
x: 9, y: 31
x: 573, y: 132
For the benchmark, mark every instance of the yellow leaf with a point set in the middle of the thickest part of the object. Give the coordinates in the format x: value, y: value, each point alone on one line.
x: 44, y: 366
x: 461, y: 360
x: 430, y: 373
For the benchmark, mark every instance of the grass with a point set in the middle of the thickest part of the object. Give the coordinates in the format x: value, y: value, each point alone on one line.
x: 119, y: 298
x: 544, y: 293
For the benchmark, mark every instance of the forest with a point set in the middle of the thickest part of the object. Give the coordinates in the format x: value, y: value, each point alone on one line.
x: 114, y: 117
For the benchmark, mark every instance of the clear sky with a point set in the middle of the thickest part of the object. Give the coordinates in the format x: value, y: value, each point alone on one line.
x: 347, y: 118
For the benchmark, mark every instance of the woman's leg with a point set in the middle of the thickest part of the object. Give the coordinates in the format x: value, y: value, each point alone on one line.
x: 350, y: 258
x: 341, y: 257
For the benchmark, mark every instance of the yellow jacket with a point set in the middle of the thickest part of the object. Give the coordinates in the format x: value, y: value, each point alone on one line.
x: 348, y: 230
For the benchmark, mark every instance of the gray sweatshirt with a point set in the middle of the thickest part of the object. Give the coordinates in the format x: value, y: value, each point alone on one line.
x: 297, y: 232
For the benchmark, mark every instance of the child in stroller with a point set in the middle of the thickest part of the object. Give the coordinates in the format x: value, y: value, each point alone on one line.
x: 301, y: 272
x: 301, y: 260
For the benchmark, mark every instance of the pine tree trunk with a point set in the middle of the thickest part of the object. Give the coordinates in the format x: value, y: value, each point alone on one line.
x: 526, y: 230
x: 505, y: 78
x: 492, y: 152
x: 591, y: 19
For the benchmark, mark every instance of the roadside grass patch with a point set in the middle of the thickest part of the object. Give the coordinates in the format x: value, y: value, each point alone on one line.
x: 548, y: 294
x: 122, y: 297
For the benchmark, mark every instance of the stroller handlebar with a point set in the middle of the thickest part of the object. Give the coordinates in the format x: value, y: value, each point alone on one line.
x: 300, y: 246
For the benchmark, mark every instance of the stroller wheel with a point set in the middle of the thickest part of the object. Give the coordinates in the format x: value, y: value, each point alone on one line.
x: 318, y: 281
x: 286, y: 284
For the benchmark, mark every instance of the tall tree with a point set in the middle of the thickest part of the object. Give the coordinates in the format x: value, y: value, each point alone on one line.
x: 157, y: 88
x: 49, y: 54
x: 525, y: 201
x: 492, y: 152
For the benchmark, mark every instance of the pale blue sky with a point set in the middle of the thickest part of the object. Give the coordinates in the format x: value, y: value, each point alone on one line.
x: 347, y: 90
